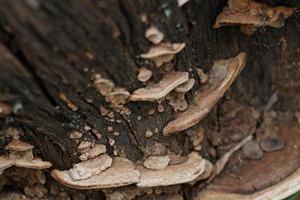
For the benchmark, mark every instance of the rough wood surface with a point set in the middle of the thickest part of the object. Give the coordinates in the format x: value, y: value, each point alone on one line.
x: 46, y: 49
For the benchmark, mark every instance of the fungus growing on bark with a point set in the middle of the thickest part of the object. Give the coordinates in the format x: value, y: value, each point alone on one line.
x: 117, y: 97
x: 177, y: 101
x: 203, y: 77
x: 122, y: 172
x: 207, y: 173
x: 185, y: 87
x: 144, y: 74
x: 20, y: 155
x: 103, y: 86
x: 86, y: 169
x: 163, y: 52
x: 250, y: 15
x: 161, y: 89
x: 5, y: 163
x: 185, y: 172
x: 154, y: 35
x: 75, y: 135
x: 157, y: 162
x: 223, y: 74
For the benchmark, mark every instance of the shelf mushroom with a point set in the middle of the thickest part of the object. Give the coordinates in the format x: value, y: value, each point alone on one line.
x: 157, y: 91
x: 184, y: 172
x: 251, y: 15
x: 163, y: 52
x: 223, y: 74
x: 20, y: 155
x: 122, y: 172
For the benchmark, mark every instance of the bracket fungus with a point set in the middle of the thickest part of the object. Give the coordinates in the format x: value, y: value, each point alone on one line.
x: 5, y: 163
x: 156, y: 162
x: 154, y: 35
x: 223, y: 74
x: 163, y: 52
x: 185, y: 87
x: 20, y: 155
x: 86, y: 169
x: 121, y: 173
x: 250, y: 15
x: 184, y: 172
x: 157, y: 91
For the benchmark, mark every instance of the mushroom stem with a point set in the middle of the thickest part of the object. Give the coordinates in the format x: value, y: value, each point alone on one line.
x: 222, y: 76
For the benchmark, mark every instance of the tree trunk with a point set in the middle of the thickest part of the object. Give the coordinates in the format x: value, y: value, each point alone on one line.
x: 50, y: 52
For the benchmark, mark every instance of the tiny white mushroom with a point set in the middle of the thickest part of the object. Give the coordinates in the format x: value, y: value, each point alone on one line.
x: 161, y: 89
x: 222, y: 76
x: 154, y: 35
x: 122, y: 172
x: 144, y: 74
x: 157, y: 162
x: 185, y: 172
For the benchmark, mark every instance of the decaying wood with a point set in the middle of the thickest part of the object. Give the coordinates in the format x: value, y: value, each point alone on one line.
x: 279, y: 191
x: 59, y: 58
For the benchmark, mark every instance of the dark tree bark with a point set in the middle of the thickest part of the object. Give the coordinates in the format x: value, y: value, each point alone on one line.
x: 46, y: 48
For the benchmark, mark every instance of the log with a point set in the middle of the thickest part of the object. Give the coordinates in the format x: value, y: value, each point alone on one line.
x: 51, y: 52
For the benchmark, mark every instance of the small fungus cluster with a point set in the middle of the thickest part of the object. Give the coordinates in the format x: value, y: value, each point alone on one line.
x: 21, y: 155
x: 251, y: 15
x: 105, y: 172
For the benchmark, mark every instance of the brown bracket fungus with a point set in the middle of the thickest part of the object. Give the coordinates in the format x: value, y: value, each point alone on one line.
x: 185, y: 87
x: 122, y: 172
x: 184, y: 172
x: 223, y: 74
x: 163, y: 52
x: 157, y: 162
x: 5, y: 163
x: 251, y: 15
x: 161, y: 89
x: 20, y: 155
x: 86, y: 169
